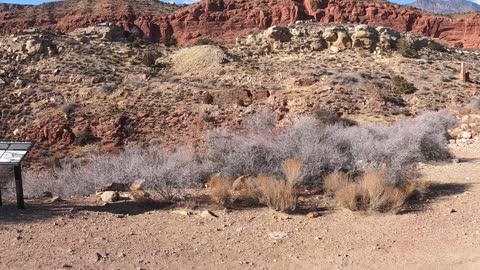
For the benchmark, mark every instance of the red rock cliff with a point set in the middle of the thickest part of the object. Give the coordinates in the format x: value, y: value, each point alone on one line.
x: 230, y: 18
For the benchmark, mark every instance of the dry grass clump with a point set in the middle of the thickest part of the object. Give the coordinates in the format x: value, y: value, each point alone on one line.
x: 266, y: 189
x: 278, y: 194
x: 334, y: 182
x: 220, y: 188
x: 372, y: 192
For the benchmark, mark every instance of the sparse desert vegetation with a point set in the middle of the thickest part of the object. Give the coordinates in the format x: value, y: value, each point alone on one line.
x: 366, y: 167
x: 307, y: 146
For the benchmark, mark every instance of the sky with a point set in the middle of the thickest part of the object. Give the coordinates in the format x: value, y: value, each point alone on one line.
x: 35, y: 2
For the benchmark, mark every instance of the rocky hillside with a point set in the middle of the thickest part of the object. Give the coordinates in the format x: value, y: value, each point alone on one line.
x: 92, y: 91
x: 10, y: 7
x: 221, y: 19
x: 446, y: 6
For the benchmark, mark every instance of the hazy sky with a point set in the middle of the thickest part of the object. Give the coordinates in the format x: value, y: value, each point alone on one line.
x: 35, y: 2
x: 176, y: 1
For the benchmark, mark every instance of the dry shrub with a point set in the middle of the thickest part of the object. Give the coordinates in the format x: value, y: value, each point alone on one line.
x: 293, y: 171
x: 372, y: 192
x: 220, y: 188
x: 267, y: 189
x: 280, y: 194
x: 381, y: 195
x: 276, y: 193
x: 351, y: 197
x: 335, y: 182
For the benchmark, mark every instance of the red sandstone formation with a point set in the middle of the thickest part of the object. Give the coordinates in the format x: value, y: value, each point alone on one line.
x: 229, y: 18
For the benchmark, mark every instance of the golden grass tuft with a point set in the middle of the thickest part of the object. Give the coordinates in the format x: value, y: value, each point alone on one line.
x: 335, y: 182
x: 372, y: 192
x: 276, y: 193
x: 220, y: 188
x: 292, y: 169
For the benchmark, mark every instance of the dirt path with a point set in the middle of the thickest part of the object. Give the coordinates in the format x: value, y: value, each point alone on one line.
x: 444, y: 234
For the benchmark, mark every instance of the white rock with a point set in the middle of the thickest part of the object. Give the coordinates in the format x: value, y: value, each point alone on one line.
x: 110, y: 196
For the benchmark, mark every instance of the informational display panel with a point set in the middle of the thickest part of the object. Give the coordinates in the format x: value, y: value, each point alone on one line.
x: 12, y: 153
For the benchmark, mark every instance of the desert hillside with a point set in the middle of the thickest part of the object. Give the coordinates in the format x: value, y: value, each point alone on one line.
x: 279, y: 134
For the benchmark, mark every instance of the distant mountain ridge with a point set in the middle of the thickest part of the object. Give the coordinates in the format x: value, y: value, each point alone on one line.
x: 446, y: 6
x: 8, y: 7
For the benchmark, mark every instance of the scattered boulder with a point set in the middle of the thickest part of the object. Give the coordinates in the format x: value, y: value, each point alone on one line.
x: 365, y: 37
x: 118, y: 187
x: 337, y: 38
x: 387, y: 38
x: 278, y: 33
x: 103, y: 31
x: 110, y: 196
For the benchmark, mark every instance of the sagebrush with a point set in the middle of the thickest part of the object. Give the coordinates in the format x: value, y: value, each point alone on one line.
x: 168, y: 174
x: 261, y: 148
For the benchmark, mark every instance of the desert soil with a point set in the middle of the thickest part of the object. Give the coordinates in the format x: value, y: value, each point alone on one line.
x: 442, y: 231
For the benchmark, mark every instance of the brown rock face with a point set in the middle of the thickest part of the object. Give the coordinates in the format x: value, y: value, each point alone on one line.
x: 229, y: 18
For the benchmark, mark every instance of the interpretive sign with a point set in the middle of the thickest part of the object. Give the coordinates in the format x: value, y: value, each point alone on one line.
x: 12, y: 153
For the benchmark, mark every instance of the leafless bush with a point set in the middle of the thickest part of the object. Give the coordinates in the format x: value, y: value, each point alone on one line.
x: 166, y: 174
x: 334, y: 148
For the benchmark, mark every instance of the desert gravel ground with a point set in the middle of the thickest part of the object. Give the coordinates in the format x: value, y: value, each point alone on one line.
x: 440, y: 232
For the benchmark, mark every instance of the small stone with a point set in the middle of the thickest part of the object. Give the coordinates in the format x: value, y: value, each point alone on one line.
x: 96, y: 257
x: 453, y: 210
x: 466, y: 135
x: 182, y: 212
x: 208, y: 214
x: 55, y: 199
x: 47, y: 195
x: 277, y: 235
x: 313, y: 215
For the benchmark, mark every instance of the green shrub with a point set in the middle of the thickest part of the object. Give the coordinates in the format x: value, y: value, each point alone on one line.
x: 170, y: 41
x: 435, y: 46
x: 139, y: 42
x: 149, y: 59
x: 407, y: 48
x: 203, y: 41
x: 402, y: 85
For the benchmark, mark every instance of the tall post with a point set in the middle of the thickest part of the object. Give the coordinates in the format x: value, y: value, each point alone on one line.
x: 19, y: 186
x: 0, y: 194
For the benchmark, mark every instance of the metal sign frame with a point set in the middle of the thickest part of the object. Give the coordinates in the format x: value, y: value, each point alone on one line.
x: 5, y: 146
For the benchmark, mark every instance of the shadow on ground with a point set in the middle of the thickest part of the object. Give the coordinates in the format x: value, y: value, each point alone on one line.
x: 37, y: 210
x: 435, y: 192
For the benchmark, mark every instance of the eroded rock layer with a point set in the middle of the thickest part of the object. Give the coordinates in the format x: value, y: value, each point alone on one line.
x: 231, y: 18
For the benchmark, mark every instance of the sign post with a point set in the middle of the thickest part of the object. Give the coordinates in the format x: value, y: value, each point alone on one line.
x: 12, y: 153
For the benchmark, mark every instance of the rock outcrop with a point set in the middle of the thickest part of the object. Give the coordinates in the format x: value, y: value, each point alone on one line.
x: 307, y: 37
x: 230, y: 18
